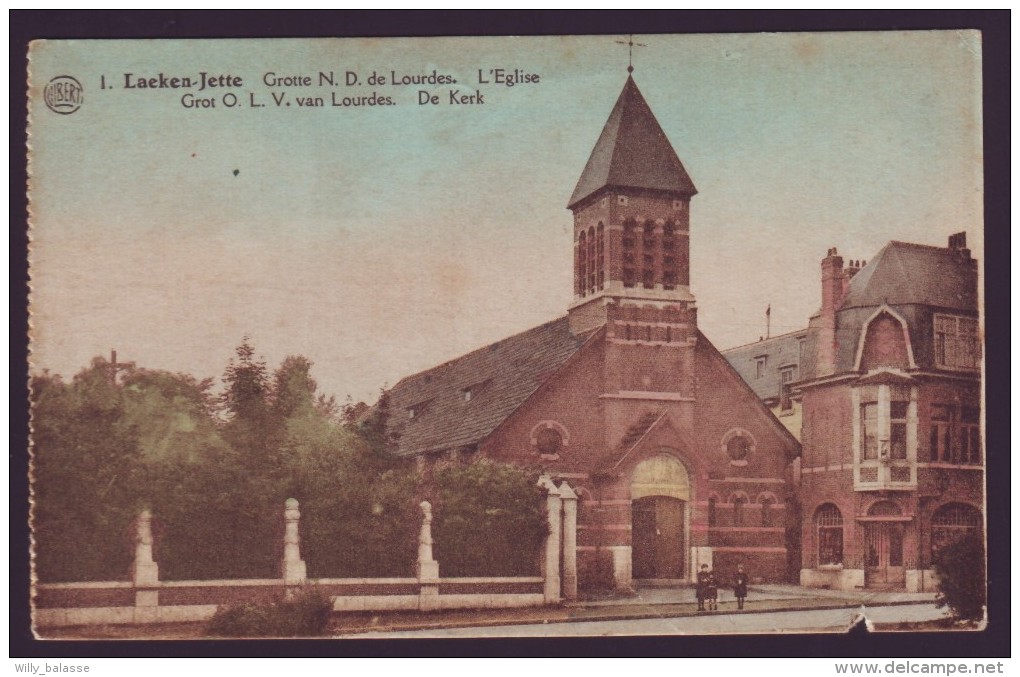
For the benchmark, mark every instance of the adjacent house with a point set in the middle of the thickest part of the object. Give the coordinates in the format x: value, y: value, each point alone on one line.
x: 892, y: 463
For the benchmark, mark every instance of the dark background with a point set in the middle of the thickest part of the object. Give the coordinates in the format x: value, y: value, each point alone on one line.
x: 993, y: 642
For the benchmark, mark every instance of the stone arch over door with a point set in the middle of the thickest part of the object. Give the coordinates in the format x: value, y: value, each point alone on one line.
x: 660, y: 492
x: 883, y: 545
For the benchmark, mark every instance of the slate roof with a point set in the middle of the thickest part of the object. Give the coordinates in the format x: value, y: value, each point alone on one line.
x: 501, y: 376
x: 632, y: 152
x: 904, y: 273
x: 780, y: 352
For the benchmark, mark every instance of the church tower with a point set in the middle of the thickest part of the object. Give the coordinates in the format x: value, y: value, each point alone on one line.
x: 631, y: 212
x: 632, y: 255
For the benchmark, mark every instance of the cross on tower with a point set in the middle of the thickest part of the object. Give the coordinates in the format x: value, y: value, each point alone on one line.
x: 115, y: 367
x: 630, y: 50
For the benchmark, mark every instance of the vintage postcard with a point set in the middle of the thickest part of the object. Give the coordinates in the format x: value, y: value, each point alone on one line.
x: 507, y: 337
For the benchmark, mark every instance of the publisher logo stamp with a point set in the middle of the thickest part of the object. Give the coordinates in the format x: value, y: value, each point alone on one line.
x: 63, y: 94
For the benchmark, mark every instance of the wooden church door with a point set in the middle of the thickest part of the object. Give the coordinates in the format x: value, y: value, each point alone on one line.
x: 657, y: 537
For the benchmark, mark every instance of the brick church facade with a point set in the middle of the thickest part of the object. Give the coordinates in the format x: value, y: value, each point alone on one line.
x: 676, y: 460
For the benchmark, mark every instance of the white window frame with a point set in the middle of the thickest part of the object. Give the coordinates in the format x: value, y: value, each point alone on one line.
x: 884, y: 463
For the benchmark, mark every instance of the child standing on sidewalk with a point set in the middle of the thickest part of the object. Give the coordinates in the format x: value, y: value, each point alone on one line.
x: 703, y: 576
x: 713, y: 592
x: 740, y: 586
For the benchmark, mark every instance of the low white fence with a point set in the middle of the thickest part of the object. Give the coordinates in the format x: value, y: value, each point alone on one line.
x: 146, y: 599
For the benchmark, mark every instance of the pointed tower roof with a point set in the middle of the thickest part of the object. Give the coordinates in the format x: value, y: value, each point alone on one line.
x: 632, y: 152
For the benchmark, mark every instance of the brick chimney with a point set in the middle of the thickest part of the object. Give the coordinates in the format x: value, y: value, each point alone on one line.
x: 834, y: 282
x: 958, y: 243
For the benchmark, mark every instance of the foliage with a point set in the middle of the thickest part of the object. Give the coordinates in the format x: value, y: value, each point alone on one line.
x: 88, y: 479
x: 215, y: 471
x: 490, y: 521
x: 358, y: 514
x: 306, y: 615
x: 962, y: 587
x: 247, y: 385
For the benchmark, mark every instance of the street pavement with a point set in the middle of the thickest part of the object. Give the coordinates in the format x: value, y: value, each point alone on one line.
x: 814, y: 620
x: 656, y: 611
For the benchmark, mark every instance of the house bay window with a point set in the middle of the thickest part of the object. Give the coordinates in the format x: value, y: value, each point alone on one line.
x: 869, y: 431
x: 898, y: 430
x: 885, y: 439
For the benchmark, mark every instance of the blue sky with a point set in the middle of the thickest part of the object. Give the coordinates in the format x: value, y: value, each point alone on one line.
x: 380, y: 241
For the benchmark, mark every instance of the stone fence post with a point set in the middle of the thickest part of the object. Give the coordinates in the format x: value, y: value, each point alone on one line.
x: 427, y: 568
x: 294, y: 569
x: 551, y: 564
x: 145, y: 571
x: 569, y: 499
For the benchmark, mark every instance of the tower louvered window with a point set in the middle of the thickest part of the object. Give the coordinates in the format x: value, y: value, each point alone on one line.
x: 582, y: 262
x: 669, y: 270
x: 591, y: 259
x: 629, y: 247
x: 600, y: 256
x: 648, y: 247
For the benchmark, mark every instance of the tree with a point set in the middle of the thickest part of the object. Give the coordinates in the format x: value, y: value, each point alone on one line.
x: 88, y: 478
x: 358, y: 508
x: 293, y: 392
x: 962, y: 587
x: 104, y: 450
x: 490, y: 521
x: 174, y: 414
x: 247, y: 385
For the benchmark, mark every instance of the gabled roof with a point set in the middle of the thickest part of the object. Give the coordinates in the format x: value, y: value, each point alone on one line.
x: 905, y: 273
x: 632, y: 152
x: 501, y: 376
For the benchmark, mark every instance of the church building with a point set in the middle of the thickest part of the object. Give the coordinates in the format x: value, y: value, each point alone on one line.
x: 677, y: 462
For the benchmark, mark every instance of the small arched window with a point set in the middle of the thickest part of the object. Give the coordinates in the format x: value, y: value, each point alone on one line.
x: 738, y: 510
x: 829, y: 526
x: 766, y: 510
x: 952, y: 522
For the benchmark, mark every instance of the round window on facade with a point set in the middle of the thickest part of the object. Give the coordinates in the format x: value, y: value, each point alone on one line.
x: 738, y: 448
x: 549, y: 441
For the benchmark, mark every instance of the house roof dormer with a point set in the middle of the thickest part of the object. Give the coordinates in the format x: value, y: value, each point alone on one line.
x: 632, y: 152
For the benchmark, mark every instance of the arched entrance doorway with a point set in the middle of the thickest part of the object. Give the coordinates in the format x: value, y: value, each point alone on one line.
x: 883, y: 546
x: 660, y: 497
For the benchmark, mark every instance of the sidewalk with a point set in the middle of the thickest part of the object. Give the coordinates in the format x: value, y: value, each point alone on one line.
x: 644, y: 604
x: 761, y: 593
